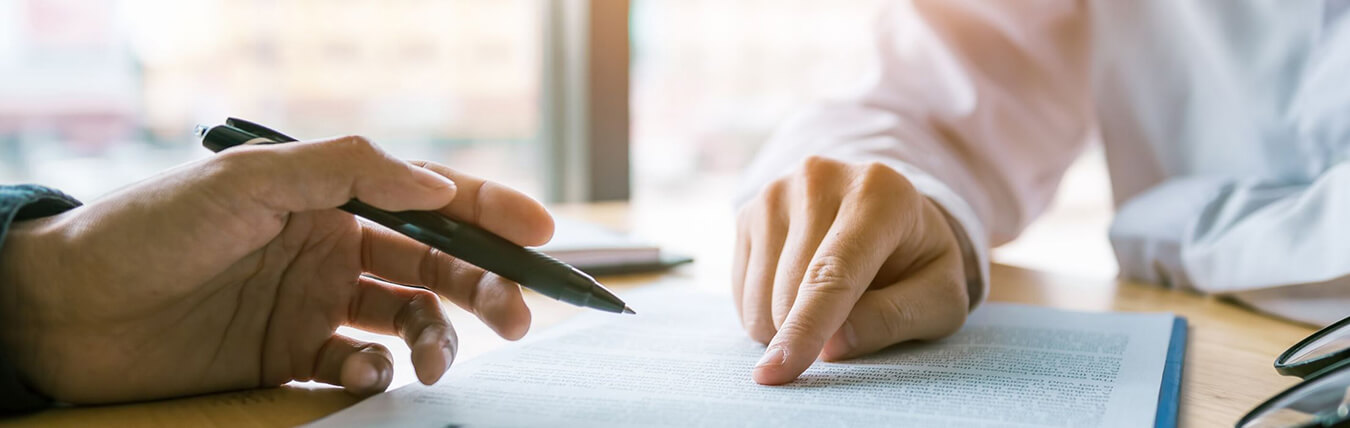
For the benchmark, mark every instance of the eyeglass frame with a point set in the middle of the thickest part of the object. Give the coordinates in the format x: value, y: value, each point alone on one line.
x: 1309, y: 371
x: 1314, y: 365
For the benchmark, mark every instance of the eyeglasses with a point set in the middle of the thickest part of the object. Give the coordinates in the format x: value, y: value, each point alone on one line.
x: 1322, y: 399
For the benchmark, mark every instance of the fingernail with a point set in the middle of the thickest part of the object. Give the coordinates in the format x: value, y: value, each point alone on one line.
x: 774, y: 356
x: 430, y: 180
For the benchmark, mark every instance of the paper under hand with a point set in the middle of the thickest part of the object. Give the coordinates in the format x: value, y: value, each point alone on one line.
x: 686, y: 362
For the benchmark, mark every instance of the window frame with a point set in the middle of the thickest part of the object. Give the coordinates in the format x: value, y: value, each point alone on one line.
x: 584, y: 100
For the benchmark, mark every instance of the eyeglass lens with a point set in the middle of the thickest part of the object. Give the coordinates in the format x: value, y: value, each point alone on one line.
x: 1333, y: 341
x: 1319, y: 402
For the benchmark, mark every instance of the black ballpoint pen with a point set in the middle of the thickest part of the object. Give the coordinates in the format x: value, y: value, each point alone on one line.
x: 531, y: 269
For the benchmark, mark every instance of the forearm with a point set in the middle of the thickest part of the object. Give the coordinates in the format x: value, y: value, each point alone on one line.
x: 17, y: 204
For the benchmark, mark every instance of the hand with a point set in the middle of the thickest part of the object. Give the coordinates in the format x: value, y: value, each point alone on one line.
x: 235, y: 271
x: 838, y: 260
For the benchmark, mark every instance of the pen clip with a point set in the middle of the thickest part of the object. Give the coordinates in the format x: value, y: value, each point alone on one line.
x: 259, y: 130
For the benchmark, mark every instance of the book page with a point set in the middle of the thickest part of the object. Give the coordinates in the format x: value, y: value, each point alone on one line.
x: 684, y: 361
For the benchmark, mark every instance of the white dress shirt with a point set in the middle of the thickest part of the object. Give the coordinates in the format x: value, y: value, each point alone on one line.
x: 1226, y: 125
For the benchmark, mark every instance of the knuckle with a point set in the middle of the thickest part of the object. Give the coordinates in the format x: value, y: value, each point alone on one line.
x: 240, y: 162
x: 234, y: 157
x: 769, y: 214
x: 878, y: 171
x: 774, y: 192
x: 885, y: 194
x: 875, y: 177
x: 745, y: 215
x: 424, y: 300
x: 378, y: 349
x: 462, y: 283
x: 803, y: 327
x: 417, y: 311
x: 245, y: 172
x: 827, y: 275
x: 359, y: 141
x: 430, y: 270
x: 820, y: 166
x: 441, y: 273
x: 818, y: 175
x: 356, y: 146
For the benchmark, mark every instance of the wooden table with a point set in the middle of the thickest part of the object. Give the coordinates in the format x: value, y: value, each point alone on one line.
x: 1228, y: 360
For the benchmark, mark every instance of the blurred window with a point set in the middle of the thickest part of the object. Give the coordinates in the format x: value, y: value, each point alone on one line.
x: 98, y: 94
x: 713, y: 78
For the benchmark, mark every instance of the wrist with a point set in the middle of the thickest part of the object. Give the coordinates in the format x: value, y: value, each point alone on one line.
x: 25, y: 260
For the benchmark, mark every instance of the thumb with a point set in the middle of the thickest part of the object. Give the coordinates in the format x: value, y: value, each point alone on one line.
x: 323, y: 174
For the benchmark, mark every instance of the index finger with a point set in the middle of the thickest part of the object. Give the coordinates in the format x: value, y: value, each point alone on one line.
x: 497, y: 208
x: 839, y: 272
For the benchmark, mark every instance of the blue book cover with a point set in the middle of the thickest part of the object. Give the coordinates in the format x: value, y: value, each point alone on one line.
x: 1169, y: 397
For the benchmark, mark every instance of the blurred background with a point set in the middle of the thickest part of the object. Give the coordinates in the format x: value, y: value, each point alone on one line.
x: 99, y: 94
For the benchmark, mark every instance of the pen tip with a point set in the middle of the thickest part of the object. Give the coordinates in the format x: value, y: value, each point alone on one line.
x: 628, y: 310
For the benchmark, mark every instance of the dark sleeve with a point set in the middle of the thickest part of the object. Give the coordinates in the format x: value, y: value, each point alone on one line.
x: 17, y: 203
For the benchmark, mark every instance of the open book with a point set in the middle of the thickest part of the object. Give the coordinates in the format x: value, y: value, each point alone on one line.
x: 684, y: 361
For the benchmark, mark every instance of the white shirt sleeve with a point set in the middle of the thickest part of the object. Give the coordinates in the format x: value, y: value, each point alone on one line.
x: 981, y: 104
x: 1267, y: 244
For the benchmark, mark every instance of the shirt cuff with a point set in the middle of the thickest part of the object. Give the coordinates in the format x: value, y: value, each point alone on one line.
x: 1147, y: 238
x: 18, y: 203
